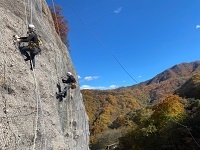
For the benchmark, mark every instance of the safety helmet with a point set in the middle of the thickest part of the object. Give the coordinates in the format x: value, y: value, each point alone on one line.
x: 69, y: 73
x: 31, y: 26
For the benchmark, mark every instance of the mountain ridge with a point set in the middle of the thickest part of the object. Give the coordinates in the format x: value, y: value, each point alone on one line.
x: 108, y: 108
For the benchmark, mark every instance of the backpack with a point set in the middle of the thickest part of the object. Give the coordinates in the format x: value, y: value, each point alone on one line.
x: 35, y: 47
x: 73, y: 83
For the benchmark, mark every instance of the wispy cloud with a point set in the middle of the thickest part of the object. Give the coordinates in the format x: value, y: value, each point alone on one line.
x: 89, y: 78
x: 79, y: 77
x: 113, y: 86
x: 139, y: 76
x: 197, y: 26
x: 92, y: 87
x: 98, y: 87
x: 118, y: 10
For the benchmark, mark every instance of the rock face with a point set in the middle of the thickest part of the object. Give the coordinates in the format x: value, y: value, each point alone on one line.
x: 30, y: 115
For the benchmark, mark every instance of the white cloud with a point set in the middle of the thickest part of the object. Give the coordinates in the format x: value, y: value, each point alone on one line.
x: 89, y: 78
x: 79, y: 77
x: 113, y: 86
x: 118, y: 10
x: 98, y: 87
x: 139, y: 76
x: 197, y: 26
x: 92, y: 87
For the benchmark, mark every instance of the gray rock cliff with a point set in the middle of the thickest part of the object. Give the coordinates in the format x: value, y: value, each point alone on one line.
x: 30, y: 115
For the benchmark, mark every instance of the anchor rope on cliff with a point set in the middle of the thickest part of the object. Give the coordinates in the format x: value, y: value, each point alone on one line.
x: 68, y: 91
x: 57, y: 27
x: 37, y: 94
x: 56, y: 67
x: 50, y: 41
x: 51, y: 37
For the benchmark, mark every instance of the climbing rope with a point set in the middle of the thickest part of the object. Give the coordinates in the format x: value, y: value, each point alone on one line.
x: 56, y: 18
x: 55, y: 54
x: 180, y: 124
x: 31, y: 18
x: 36, y: 87
x: 69, y: 106
x: 58, y: 29
x: 101, y: 43
x: 26, y: 18
x: 37, y: 94
x: 108, y: 50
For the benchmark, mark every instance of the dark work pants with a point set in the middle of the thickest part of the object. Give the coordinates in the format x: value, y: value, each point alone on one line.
x: 24, y: 50
x: 64, y: 90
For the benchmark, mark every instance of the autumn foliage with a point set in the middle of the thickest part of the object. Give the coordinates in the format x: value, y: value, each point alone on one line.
x: 60, y: 23
x: 148, y: 116
x: 168, y: 109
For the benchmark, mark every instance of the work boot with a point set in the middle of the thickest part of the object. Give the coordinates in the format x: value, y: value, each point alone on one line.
x: 58, y: 95
x: 27, y: 58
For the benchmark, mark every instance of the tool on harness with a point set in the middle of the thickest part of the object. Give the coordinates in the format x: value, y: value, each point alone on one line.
x: 35, y: 47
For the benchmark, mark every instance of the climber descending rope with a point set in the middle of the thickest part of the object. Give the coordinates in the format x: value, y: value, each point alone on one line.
x: 33, y: 47
x: 71, y: 81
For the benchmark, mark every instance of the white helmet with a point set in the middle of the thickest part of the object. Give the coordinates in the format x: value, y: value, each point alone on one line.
x: 69, y: 73
x: 31, y: 26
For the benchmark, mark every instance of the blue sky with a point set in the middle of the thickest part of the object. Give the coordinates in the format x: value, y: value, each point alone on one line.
x: 144, y: 37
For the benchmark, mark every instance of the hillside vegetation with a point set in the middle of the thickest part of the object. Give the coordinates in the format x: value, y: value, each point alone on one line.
x: 136, y: 116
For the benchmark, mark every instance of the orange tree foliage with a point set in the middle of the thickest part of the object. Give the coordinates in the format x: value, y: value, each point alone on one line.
x: 104, y: 107
x: 120, y: 121
x: 60, y: 23
x: 170, y: 108
x: 154, y: 124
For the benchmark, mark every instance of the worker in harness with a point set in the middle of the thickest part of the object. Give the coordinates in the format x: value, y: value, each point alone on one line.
x: 33, y: 45
x: 71, y: 81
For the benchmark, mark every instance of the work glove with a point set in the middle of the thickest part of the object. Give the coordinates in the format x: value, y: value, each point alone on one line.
x: 17, y: 38
x: 63, y: 80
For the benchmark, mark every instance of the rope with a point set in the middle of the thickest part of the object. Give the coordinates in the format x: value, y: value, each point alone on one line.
x: 182, y: 126
x: 37, y: 114
x: 36, y: 87
x: 57, y: 26
x: 92, y: 34
x: 102, y: 44
x: 55, y: 54
x: 26, y: 18
x: 38, y: 100
x: 56, y: 18
x: 53, y: 46
x: 56, y: 60
x: 31, y: 21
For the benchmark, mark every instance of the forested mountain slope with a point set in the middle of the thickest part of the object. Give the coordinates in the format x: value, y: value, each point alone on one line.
x: 111, y: 109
